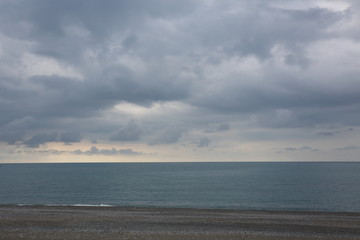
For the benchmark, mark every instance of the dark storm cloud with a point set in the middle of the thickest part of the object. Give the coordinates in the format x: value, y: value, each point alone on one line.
x: 65, y: 62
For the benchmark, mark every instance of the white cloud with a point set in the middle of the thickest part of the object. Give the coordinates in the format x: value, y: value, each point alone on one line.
x: 35, y: 65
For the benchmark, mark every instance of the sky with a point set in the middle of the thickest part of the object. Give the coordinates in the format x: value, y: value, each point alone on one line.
x: 169, y: 80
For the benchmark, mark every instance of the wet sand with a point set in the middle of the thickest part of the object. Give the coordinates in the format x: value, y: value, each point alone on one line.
x: 40, y: 222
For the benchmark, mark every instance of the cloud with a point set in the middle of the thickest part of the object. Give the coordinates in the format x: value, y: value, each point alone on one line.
x: 52, y: 151
x: 131, y: 132
x: 293, y: 149
x: 14, y: 131
x: 71, y: 68
x: 223, y: 127
x: 70, y: 137
x: 204, y: 142
x: 348, y: 148
x: 38, y: 139
x: 168, y: 136
x: 325, y: 133
x: 11, y: 137
x: 113, y: 151
x: 307, y: 148
x: 129, y: 151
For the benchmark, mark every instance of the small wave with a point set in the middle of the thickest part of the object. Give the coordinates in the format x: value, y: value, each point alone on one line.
x: 91, y: 205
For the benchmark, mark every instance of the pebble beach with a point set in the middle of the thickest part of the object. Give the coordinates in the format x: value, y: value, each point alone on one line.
x: 82, y: 222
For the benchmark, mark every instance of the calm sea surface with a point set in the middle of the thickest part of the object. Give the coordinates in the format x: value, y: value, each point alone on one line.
x: 260, y: 186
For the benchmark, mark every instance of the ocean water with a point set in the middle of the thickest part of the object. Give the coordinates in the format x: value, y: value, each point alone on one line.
x: 258, y: 186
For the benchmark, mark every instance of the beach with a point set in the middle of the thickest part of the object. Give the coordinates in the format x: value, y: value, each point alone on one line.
x: 90, y: 222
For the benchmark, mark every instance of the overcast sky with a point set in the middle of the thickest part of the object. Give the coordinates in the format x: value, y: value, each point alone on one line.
x: 190, y: 80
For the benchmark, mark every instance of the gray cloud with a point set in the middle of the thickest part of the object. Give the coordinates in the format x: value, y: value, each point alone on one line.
x: 274, y: 27
x: 113, y: 151
x: 168, y: 136
x: 64, y: 29
x: 70, y: 137
x: 204, y: 142
x: 52, y: 151
x: 129, y: 151
x: 223, y: 127
x: 220, y: 128
x: 38, y: 139
x: 307, y: 148
x: 347, y: 148
x: 325, y: 133
x: 14, y: 131
x: 11, y: 137
x: 131, y: 132
x: 66, y: 65
x: 292, y: 149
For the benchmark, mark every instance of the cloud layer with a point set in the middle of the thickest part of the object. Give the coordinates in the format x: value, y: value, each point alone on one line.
x: 187, y: 73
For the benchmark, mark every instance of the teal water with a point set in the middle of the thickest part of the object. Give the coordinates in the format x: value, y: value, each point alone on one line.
x: 258, y: 186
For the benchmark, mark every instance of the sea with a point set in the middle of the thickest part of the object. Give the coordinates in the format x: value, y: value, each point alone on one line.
x: 299, y: 186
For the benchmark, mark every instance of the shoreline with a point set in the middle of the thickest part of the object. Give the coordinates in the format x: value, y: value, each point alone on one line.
x: 115, y: 222
x: 120, y: 207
